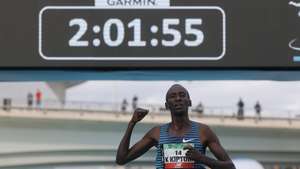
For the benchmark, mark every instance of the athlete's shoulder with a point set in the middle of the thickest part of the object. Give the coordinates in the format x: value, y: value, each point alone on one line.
x: 206, y: 133
x: 154, y: 132
x: 202, y: 126
x: 204, y: 129
x: 155, y: 129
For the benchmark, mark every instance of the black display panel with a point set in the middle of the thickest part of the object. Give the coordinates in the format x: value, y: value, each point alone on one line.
x: 91, y: 33
x: 185, y: 33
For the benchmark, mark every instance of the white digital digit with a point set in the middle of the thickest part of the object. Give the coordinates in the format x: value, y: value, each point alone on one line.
x: 137, y: 40
x: 75, y: 40
x: 120, y: 34
x: 189, y: 30
x: 167, y: 30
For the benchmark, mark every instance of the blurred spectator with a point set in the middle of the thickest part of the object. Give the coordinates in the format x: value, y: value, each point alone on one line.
x: 38, y: 97
x: 257, y: 108
x: 29, y: 100
x: 124, y: 105
x: 134, y: 102
x: 240, y: 113
x: 199, y: 109
x: 162, y: 109
x: 6, y: 104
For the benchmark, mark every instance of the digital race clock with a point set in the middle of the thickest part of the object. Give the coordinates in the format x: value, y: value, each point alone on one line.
x: 168, y: 33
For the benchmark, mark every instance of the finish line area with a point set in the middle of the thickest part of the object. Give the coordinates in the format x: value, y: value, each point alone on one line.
x: 76, y: 137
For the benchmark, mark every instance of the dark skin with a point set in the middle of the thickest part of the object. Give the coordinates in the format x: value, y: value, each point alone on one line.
x: 178, y: 102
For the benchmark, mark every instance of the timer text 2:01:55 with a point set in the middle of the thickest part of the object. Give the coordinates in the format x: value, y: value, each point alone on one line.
x: 168, y: 29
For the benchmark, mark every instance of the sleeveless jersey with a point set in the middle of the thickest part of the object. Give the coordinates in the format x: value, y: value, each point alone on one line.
x: 170, y: 153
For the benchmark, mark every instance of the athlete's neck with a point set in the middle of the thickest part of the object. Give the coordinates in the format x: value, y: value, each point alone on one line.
x: 180, y: 122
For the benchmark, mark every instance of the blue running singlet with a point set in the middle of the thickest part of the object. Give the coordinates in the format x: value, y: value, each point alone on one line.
x: 170, y: 153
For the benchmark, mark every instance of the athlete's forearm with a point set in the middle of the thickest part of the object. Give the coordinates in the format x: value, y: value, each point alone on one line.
x: 216, y: 164
x: 124, y: 145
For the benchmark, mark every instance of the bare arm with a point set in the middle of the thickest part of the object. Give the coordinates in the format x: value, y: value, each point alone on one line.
x: 223, y: 160
x: 124, y: 154
x: 216, y: 148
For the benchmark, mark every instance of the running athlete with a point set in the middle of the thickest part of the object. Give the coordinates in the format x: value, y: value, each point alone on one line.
x: 181, y: 143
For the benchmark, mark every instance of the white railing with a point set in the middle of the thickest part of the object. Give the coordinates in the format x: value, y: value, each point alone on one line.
x: 213, y: 111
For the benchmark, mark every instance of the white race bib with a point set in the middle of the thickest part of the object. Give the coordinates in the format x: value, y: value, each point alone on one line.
x: 174, y: 156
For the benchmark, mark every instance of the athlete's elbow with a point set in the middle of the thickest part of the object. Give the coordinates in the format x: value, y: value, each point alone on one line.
x: 231, y: 166
x: 120, y: 161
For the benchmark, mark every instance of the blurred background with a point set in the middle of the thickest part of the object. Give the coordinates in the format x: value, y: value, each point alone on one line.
x: 79, y: 124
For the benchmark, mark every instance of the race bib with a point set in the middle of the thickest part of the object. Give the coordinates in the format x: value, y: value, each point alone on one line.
x: 174, y: 156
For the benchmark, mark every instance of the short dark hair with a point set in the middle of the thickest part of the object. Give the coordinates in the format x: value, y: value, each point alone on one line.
x: 177, y: 85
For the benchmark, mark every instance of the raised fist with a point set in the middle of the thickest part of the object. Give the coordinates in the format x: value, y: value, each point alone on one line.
x: 139, y: 114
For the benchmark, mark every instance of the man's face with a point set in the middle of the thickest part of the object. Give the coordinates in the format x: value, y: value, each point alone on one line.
x: 177, y: 100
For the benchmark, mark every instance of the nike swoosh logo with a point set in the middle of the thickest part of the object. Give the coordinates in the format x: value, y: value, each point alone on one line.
x: 187, y: 140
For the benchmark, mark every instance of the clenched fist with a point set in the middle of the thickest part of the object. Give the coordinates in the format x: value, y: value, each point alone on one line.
x: 192, y: 153
x: 139, y: 114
